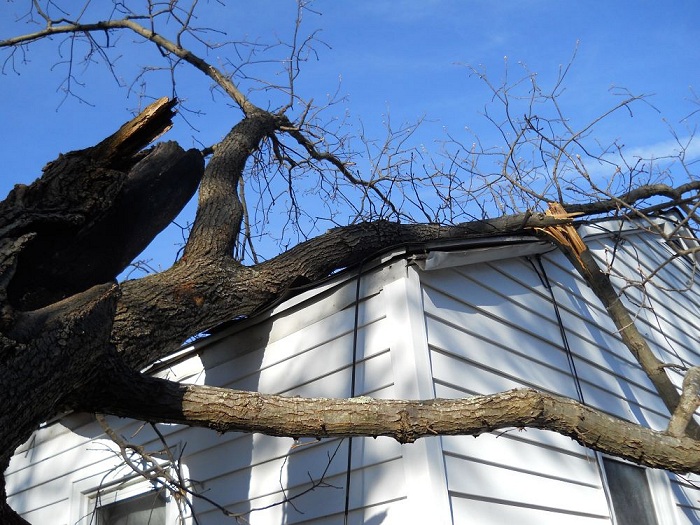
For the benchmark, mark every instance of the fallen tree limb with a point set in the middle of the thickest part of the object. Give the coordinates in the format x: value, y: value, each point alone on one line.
x: 226, y: 410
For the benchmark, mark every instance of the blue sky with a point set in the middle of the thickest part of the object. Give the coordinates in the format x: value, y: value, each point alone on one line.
x: 406, y: 59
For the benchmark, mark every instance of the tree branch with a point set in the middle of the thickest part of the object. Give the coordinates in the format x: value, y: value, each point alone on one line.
x: 688, y: 404
x: 338, y: 164
x: 628, y: 199
x: 196, y: 295
x: 220, y: 211
x: 226, y: 410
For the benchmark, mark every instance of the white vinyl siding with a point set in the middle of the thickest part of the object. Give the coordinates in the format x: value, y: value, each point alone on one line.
x: 491, y: 327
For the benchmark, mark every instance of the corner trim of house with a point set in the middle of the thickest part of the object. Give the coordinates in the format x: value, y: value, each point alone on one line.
x: 424, y: 466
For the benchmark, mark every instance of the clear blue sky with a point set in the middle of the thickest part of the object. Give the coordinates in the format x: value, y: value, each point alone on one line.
x: 403, y: 58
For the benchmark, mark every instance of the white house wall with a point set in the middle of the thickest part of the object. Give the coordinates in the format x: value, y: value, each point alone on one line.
x: 492, y: 326
x: 487, y: 333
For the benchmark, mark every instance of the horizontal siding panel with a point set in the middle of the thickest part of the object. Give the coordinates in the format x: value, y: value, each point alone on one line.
x: 486, y: 312
x: 500, y: 370
x: 330, y: 339
x: 479, y: 480
x: 52, y: 483
x: 489, y: 512
x: 609, y: 386
x: 491, y: 327
x: 601, y: 350
x: 519, y: 334
x: 611, y: 373
x: 528, y: 448
x: 673, y: 337
x: 638, y: 256
x: 44, y: 449
x: 258, y: 333
x: 489, y: 369
x: 369, y: 486
x: 248, y: 451
x: 57, y: 512
x: 371, y: 376
x: 50, y: 477
x: 393, y: 513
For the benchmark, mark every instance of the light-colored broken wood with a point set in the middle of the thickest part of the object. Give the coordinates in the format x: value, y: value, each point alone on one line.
x: 564, y: 235
x: 133, y: 136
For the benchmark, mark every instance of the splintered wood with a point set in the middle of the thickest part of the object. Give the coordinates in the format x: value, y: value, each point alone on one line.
x: 564, y: 235
x: 146, y: 127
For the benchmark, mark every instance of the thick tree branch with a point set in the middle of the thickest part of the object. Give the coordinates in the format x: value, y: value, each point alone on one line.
x: 220, y: 211
x: 96, y: 209
x: 158, y: 312
x: 226, y: 410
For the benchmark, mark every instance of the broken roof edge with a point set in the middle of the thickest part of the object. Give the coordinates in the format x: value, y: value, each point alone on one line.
x: 437, y: 259
x: 472, y: 251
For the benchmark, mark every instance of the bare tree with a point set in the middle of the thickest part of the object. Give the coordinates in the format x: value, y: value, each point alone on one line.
x: 71, y: 337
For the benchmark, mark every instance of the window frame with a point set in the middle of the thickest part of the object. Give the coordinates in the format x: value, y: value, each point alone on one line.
x: 105, y: 488
x: 115, y: 498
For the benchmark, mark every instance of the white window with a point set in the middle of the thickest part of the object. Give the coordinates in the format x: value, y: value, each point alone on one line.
x: 639, y: 496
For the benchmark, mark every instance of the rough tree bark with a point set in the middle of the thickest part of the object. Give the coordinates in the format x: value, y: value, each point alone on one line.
x: 78, y: 339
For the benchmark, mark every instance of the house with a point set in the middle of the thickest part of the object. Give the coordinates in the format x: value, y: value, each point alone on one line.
x: 474, y: 317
